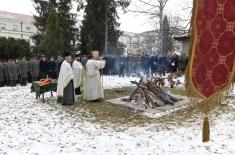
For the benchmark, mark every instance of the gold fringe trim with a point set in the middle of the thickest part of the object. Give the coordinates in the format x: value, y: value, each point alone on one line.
x: 191, y: 33
x: 206, y: 130
x: 192, y: 91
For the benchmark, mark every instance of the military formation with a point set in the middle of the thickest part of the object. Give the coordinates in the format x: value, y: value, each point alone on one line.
x: 22, y: 71
x: 145, y: 64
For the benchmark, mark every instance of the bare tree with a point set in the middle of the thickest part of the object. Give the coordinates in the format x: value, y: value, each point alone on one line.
x: 149, y: 41
x: 155, y: 9
x: 159, y: 14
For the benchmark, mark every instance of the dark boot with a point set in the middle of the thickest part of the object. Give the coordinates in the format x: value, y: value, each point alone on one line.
x: 78, y: 91
x: 21, y: 81
x: 25, y: 81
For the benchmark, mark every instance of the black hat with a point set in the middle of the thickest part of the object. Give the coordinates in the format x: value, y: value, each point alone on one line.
x: 67, y: 54
x: 78, y: 54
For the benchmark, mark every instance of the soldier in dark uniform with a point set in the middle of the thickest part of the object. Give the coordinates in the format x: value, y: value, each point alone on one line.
x: 7, y: 75
x: 174, y: 63
x: 145, y: 63
x: 52, y: 68
x: 2, y: 74
x: 131, y: 65
x: 24, y: 69
x: 34, y: 69
x: 30, y: 78
x: 109, y: 63
x: 137, y: 62
x: 154, y: 65
x: 183, y: 61
x: 162, y: 61
x: 121, y: 67
x: 58, y: 63
x: 43, y: 68
x: 14, y: 72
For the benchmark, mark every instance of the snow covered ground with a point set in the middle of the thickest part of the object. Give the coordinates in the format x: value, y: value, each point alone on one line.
x: 110, y: 82
x: 28, y: 126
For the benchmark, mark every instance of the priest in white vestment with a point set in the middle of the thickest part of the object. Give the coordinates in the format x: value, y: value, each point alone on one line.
x: 78, y: 71
x: 93, y: 88
x: 65, y: 86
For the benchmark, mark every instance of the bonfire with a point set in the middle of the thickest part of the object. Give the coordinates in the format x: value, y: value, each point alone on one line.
x: 150, y: 94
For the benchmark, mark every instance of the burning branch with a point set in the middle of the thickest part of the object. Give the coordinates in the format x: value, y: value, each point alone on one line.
x: 150, y: 94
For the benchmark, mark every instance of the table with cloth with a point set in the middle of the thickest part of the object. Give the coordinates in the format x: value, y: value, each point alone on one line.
x: 40, y: 89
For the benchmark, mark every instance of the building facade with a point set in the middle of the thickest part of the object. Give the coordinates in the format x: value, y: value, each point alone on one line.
x: 127, y: 39
x: 17, y: 26
x: 140, y: 43
x: 185, y: 43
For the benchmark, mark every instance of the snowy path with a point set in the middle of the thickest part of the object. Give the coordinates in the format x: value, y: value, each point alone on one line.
x: 28, y: 126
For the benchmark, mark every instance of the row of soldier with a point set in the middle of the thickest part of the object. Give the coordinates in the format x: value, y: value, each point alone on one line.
x: 69, y: 70
x: 156, y: 64
x: 22, y: 71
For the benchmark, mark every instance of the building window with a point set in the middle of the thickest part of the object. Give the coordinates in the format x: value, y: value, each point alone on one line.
x: 28, y: 28
x: 3, y: 26
x: 15, y: 27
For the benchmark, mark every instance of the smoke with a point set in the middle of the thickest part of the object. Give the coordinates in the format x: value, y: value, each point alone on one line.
x: 142, y: 76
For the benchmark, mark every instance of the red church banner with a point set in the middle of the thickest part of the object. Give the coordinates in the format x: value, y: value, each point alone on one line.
x: 212, y: 60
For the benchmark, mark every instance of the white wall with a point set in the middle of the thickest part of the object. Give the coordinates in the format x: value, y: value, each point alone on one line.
x: 10, y: 32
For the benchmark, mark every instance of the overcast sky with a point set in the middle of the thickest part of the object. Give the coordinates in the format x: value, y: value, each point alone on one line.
x: 131, y: 22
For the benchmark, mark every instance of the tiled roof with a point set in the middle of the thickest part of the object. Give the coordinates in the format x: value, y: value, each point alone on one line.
x: 16, y: 16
